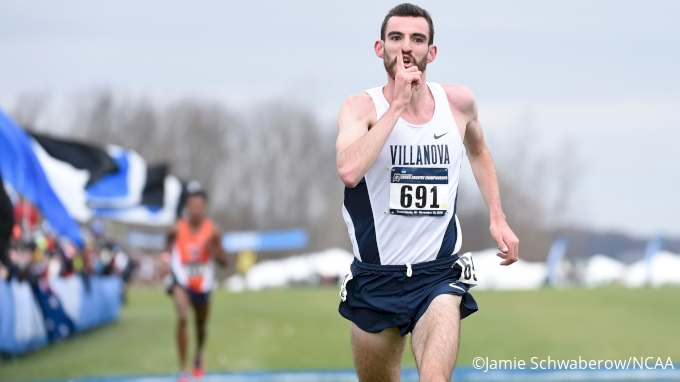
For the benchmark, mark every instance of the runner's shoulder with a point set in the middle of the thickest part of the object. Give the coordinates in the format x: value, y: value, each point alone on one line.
x: 358, y: 107
x: 461, y: 98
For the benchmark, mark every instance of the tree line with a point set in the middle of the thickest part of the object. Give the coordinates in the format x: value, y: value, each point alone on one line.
x: 273, y: 166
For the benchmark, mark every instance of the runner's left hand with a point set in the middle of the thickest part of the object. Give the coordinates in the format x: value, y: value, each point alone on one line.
x: 508, y: 243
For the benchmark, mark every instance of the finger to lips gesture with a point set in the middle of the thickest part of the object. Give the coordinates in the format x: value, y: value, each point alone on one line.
x: 406, y: 79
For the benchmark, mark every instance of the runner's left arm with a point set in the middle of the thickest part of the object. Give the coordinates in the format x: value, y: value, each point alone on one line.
x: 484, y: 171
x: 218, y: 249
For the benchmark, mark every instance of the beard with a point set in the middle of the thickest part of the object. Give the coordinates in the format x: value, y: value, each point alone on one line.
x: 391, y: 64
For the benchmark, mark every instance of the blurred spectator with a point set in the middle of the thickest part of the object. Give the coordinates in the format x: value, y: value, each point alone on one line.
x: 6, y: 227
x: 147, y: 269
x: 26, y: 214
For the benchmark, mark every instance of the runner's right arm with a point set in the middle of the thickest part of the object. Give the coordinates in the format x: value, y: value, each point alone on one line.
x: 359, y: 141
x: 170, y: 238
x: 358, y: 146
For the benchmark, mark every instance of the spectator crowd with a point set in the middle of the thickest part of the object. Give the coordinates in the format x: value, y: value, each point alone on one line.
x: 30, y: 250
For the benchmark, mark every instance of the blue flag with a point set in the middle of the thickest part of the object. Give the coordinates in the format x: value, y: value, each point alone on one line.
x: 21, y: 168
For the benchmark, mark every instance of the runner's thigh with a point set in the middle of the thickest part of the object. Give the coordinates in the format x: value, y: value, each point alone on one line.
x: 181, y: 298
x: 377, y: 356
x: 435, y: 338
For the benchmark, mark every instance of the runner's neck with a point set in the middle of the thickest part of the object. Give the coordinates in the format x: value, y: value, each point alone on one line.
x: 194, y: 226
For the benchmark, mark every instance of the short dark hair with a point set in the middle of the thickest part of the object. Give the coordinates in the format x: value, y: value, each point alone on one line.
x: 408, y: 10
x: 198, y: 193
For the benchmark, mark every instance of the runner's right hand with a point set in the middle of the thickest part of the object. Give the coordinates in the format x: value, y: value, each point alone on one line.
x: 405, y: 81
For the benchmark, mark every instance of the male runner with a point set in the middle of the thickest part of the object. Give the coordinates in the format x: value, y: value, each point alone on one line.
x: 193, y: 242
x: 399, y: 151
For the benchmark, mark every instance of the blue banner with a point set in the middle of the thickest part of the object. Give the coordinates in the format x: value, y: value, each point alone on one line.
x: 32, y: 316
x: 263, y: 241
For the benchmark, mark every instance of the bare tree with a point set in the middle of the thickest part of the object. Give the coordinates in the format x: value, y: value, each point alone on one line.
x: 29, y: 109
x: 536, y: 193
x: 273, y: 166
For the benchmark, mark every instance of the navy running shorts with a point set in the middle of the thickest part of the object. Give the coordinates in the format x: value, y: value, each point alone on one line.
x: 197, y: 298
x: 376, y: 297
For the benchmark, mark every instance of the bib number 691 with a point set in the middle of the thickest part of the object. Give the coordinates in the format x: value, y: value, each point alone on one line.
x: 406, y: 197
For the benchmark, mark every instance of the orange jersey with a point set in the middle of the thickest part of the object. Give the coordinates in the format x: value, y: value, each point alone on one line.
x: 192, y: 258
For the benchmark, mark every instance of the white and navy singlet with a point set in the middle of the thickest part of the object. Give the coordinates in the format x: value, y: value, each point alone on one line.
x: 404, y: 209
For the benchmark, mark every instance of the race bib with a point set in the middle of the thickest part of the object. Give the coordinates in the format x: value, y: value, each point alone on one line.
x: 194, y: 269
x: 418, y: 191
x: 343, y: 288
x: 467, y: 273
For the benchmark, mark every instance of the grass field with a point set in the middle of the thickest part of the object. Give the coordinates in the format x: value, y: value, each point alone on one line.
x: 300, y: 329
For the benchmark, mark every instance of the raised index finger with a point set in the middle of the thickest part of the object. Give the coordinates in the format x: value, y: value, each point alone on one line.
x: 400, y: 60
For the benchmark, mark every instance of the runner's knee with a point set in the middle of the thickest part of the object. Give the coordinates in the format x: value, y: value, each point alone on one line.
x: 182, y: 317
x: 377, y: 356
x: 434, y: 378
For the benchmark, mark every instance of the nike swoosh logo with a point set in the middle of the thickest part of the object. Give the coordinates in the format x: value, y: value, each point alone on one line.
x: 439, y: 136
x: 457, y: 287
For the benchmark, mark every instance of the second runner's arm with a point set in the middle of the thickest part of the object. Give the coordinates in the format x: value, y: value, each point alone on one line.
x: 167, y: 251
x: 170, y: 239
x: 484, y: 171
x: 218, y: 249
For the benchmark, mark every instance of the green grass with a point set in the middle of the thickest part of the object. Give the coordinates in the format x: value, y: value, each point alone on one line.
x: 298, y: 329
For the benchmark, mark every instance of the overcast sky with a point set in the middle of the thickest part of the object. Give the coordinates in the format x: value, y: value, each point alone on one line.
x: 601, y: 74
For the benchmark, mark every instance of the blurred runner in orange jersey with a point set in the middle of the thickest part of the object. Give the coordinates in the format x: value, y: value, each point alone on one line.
x: 193, y: 242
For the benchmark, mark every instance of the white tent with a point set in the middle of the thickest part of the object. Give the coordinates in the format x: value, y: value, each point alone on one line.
x: 335, y: 262
x: 520, y: 275
x: 601, y: 270
x: 664, y: 269
x: 306, y: 268
x: 635, y: 275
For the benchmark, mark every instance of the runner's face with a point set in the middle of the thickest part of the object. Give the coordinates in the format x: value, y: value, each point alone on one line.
x: 196, y: 208
x: 412, y: 35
